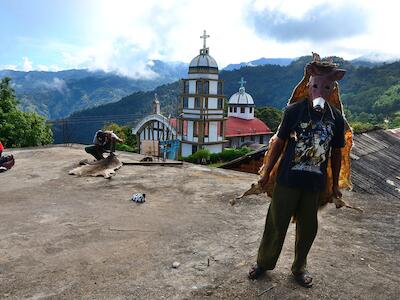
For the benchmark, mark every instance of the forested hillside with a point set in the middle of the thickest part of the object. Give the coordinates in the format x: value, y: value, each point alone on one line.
x: 370, y: 94
x: 80, y: 126
x: 58, y: 94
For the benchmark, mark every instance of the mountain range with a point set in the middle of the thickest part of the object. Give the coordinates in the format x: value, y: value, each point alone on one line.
x: 367, y: 93
x: 58, y: 94
x: 260, y: 62
x: 97, y: 96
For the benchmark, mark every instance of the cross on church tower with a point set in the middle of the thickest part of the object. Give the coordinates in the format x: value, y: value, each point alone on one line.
x: 242, y: 82
x: 204, y: 37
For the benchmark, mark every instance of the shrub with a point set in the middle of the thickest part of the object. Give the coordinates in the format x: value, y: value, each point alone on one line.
x: 125, y: 133
x: 125, y: 147
x: 360, y: 127
x: 214, y: 158
x: 231, y: 154
x: 224, y: 156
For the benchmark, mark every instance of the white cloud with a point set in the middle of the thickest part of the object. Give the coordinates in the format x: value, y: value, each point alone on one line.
x: 124, y: 35
x: 9, y: 67
x: 56, y: 84
x: 127, y: 34
x: 26, y: 64
x: 42, y: 68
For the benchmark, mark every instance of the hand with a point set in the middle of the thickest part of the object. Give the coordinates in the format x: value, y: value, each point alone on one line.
x: 264, y: 180
x: 336, y: 192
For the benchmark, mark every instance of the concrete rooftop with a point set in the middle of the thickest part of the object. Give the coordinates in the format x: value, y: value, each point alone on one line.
x: 65, y: 237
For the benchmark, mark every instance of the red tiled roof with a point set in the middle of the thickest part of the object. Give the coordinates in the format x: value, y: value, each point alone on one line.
x: 238, y: 127
x: 241, y: 127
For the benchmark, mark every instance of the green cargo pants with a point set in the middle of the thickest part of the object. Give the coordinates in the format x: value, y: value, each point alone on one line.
x: 286, y: 202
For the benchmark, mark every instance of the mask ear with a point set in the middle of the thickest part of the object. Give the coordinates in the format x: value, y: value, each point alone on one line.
x: 337, y: 74
x: 311, y: 69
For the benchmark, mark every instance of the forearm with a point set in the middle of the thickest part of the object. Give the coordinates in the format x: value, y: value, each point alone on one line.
x: 336, y: 161
x: 273, y: 154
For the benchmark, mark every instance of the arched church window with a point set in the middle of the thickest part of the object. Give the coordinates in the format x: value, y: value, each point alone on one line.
x: 242, y: 110
x: 234, y: 109
x: 230, y: 109
x: 186, y: 87
x: 205, y: 103
x: 219, y: 88
x: 199, y: 87
x: 251, y: 109
x: 206, y: 87
x: 197, y: 102
x: 220, y: 103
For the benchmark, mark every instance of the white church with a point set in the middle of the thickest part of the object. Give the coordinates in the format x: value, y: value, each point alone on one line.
x: 202, y: 122
x: 242, y: 127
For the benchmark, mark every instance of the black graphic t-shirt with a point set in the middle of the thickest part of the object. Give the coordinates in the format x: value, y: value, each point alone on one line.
x: 311, y: 135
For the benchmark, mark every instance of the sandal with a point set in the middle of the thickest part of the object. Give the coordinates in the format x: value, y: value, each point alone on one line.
x: 304, y: 279
x: 256, y: 272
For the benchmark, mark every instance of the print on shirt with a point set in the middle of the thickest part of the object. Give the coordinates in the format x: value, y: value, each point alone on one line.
x: 313, y: 140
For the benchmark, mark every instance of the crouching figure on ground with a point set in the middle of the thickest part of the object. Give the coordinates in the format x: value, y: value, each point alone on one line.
x: 104, y: 141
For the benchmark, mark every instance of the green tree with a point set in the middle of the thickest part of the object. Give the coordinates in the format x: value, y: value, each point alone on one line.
x: 389, y: 101
x: 18, y: 128
x: 270, y: 116
x: 125, y: 133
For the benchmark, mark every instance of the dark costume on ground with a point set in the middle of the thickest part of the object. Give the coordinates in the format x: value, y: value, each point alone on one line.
x: 103, y: 142
x: 6, y: 161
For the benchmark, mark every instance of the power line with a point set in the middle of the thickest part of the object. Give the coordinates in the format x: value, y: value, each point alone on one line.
x: 101, y: 117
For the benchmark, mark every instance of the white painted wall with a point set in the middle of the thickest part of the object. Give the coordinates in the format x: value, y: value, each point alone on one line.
x: 190, y: 130
x: 203, y: 75
x: 214, y: 148
x: 246, y: 115
x: 212, y: 103
x: 212, y: 132
x: 237, y: 142
x: 191, y: 102
x: 186, y: 149
x: 213, y: 87
x: 192, y: 86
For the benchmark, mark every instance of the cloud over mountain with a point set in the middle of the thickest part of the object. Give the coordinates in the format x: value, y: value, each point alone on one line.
x: 320, y: 23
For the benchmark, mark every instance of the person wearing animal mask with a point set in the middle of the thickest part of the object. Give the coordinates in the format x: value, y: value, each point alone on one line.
x: 313, y: 132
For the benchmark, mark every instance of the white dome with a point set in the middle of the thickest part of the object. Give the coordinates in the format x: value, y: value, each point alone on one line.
x: 203, y: 60
x: 241, y: 97
x: 203, y: 63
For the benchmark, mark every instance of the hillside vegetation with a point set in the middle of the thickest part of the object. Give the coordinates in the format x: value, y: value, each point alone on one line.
x: 370, y: 95
x: 18, y: 128
x: 58, y: 94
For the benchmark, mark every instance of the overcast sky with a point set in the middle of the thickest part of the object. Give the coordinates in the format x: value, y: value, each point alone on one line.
x: 123, y: 35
